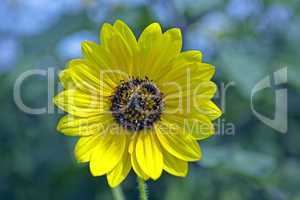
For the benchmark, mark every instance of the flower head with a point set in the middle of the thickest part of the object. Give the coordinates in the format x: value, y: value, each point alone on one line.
x: 137, y: 104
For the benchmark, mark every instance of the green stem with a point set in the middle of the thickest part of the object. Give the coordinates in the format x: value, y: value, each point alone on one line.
x: 118, y: 193
x: 142, y: 189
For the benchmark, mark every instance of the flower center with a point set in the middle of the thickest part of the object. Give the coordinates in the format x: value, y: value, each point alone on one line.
x: 136, y: 104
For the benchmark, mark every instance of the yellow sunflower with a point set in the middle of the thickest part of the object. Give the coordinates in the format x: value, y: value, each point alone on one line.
x: 137, y: 104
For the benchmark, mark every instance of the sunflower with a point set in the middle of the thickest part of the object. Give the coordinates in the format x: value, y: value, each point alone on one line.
x: 137, y: 104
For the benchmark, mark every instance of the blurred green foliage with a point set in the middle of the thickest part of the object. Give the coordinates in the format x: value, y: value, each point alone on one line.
x: 246, y: 41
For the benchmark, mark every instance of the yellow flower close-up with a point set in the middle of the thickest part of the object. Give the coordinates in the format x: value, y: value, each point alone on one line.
x: 140, y: 104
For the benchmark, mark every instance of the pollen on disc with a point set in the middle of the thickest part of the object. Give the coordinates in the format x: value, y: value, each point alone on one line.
x: 136, y: 104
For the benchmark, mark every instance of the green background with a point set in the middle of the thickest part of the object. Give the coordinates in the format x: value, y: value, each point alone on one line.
x: 245, y: 39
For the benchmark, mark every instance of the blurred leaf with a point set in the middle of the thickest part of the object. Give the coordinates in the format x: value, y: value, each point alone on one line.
x: 236, y: 160
x: 243, y: 67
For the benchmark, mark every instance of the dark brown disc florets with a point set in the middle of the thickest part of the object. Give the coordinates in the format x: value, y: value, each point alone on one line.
x: 136, y: 104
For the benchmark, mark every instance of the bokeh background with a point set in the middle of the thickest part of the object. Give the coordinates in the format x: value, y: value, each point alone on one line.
x: 245, y: 39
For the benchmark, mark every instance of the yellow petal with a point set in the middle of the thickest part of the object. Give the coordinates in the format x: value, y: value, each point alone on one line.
x: 80, y: 104
x: 131, y: 41
x: 187, y: 58
x: 132, y: 143
x: 91, y: 52
x: 205, y: 91
x: 122, y: 54
x: 179, y: 145
x: 107, y: 153
x: 136, y: 167
x: 192, y: 93
x: 87, y: 78
x: 150, y: 35
x: 177, y: 68
x: 157, y: 50
x: 95, y: 54
x: 127, y: 34
x: 194, y: 124
x: 199, y: 127
x: 78, y: 126
x: 168, y: 48
x: 188, y: 74
x: 66, y: 80
x: 173, y: 38
x: 210, y: 110
x: 174, y: 165
x: 118, y: 48
x: 85, y: 146
x: 203, y: 72
x: 149, y: 44
x: 149, y: 155
x: 120, y: 172
x: 106, y: 33
x: 103, y: 63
